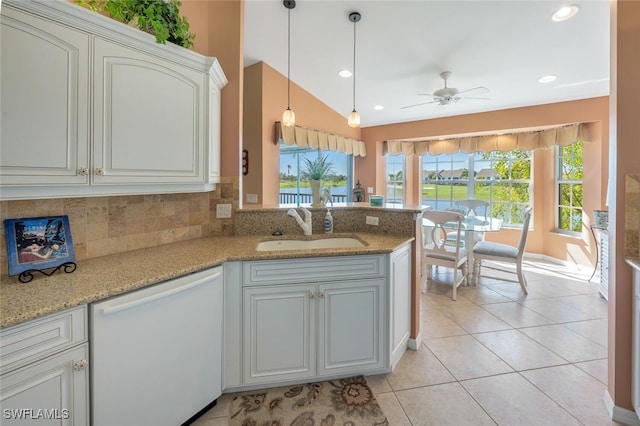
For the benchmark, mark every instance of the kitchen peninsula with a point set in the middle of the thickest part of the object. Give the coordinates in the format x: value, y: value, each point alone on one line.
x: 376, y: 277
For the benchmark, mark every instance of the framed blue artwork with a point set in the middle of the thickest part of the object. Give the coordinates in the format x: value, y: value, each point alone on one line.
x: 38, y: 243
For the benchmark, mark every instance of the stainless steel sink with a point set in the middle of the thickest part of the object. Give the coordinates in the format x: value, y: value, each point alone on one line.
x: 320, y: 243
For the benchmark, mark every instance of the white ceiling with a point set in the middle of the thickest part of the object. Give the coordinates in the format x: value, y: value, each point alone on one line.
x: 403, y: 46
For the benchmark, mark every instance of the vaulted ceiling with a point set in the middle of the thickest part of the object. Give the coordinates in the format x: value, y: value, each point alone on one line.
x: 403, y: 46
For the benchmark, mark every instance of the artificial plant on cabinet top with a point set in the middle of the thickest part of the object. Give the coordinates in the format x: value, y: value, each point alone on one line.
x: 158, y: 17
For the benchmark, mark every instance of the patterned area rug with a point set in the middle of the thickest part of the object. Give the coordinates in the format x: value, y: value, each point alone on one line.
x: 344, y: 402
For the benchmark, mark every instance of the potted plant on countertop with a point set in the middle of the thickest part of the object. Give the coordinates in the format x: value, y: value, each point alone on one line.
x: 158, y: 17
x: 316, y: 171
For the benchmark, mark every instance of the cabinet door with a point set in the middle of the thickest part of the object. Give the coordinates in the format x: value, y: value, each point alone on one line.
x: 351, y: 330
x: 279, y: 333
x: 399, y: 303
x: 53, y: 391
x: 149, y: 121
x: 45, y: 104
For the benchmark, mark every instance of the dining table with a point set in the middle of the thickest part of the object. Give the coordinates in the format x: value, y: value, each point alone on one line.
x: 472, y: 227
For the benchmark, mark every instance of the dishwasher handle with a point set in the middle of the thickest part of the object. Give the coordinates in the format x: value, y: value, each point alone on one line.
x: 137, y: 302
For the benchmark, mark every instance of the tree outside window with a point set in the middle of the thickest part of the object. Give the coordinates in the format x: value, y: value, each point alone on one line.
x: 569, y: 187
x: 501, y: 178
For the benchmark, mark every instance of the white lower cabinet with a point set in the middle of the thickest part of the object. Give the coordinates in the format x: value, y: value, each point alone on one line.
x: 399, y: 302
x: 45, y: 379
x: 308, y: 330
x: 322, y: 317
x: 278, y: 325
x: 51, y: 391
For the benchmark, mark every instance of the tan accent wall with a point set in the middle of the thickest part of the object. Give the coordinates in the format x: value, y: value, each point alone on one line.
x: 542, y: 239
x: 219, y: 29
x: 625, y: 159
x: 265, y: 109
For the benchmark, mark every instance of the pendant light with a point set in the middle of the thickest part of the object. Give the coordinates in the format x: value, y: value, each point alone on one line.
x: 354, y: 117
x: 288, y: 116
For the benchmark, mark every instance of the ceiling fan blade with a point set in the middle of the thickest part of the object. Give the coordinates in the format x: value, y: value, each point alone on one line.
x: 415, y: 105
x: 479, y: 90
x: 470, y: 97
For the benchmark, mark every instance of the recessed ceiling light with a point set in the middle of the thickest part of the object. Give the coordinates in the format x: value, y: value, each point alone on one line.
x: 564, y: 13
x: 378, y: 107
x: 344, y: 73
x: 547, y: 78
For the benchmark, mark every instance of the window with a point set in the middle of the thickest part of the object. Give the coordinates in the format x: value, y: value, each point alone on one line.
x: 501, y: 178
x: 444, y: 180
x: 395, y: 178
x: 297, y: 190
x: 569, y: 187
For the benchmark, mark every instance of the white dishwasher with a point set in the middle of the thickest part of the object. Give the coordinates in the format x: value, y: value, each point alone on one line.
x: 156, y: 353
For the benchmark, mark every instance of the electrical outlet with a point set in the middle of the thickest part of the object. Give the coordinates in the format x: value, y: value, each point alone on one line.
x: 370, y: 189
x: 223, y: 211
x: 252, y: 198
x: 372, y: 220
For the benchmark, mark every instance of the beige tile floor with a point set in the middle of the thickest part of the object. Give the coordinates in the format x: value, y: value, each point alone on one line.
x: 495, y: 356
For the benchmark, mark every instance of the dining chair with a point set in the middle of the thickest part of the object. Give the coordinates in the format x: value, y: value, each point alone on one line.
x: 470, y: 208
x: 436, y: 251
x: 485, y: 250
x: 473, y: 207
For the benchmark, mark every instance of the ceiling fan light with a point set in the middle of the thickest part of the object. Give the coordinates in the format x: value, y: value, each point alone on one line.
x: 288, y: 118
x: 354, y: 119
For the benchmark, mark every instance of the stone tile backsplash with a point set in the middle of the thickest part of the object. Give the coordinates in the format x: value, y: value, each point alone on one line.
x: 109, y: 225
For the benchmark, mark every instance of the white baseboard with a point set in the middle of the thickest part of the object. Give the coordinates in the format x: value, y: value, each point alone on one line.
x: 414, y: 344
x: 619, y: 414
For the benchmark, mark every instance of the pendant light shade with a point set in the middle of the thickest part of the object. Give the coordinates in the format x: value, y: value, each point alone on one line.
x: 354, y: 117
x: 288, y: 116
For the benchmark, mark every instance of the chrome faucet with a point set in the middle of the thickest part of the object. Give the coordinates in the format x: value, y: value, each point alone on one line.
x: 304, y: 224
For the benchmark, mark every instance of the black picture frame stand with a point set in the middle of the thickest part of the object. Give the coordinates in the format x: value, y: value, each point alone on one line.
x: 27, y: 276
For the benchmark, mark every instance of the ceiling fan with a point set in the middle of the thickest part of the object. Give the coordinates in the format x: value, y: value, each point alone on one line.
x: 450, y: 95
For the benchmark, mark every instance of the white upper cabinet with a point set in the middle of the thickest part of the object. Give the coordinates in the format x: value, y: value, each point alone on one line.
x: 44, y: 122
x: 93, y: 107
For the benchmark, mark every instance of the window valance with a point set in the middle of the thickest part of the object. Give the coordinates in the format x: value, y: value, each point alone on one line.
x: 547, y: 138
x: 315, y: 139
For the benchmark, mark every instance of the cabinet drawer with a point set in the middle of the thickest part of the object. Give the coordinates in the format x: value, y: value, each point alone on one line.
x: 312, y: 270
x: 28, y: 342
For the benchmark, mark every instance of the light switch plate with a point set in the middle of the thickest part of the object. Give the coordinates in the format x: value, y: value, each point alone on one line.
x: 370, y: 189
x: 223, y: 211
x: 372, y: 220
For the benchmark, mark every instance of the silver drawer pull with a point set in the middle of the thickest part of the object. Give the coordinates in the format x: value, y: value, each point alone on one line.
x: 80, y: 365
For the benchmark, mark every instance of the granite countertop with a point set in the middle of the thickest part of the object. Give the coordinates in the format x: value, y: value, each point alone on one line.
x: 634, y: 262
x: 99, y: 278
